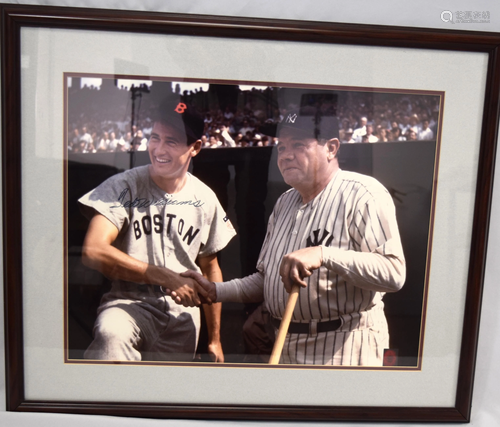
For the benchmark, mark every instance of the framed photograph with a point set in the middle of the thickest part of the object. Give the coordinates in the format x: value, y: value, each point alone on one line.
x: 415, y: 109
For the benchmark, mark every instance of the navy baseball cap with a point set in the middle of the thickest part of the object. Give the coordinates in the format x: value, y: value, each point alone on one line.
x: 316, y: 126
x: 181, y: 115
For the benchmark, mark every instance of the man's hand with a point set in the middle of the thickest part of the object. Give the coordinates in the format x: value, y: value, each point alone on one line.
x: 205, y: 288
x: 215, y: 352
x: 184, y: 291
x: 300, y: 264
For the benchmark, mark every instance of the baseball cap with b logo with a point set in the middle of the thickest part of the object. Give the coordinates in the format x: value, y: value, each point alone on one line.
x: 180, y: 114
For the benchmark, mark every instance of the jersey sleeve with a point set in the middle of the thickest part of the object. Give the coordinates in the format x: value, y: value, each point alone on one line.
x: 247, y: 289
x: 376, y: 261
x: 106, y: 200
x: 220, y: 230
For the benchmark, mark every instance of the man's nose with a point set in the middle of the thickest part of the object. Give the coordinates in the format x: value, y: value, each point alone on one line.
x: 287, y: 155
x: 162, y: 147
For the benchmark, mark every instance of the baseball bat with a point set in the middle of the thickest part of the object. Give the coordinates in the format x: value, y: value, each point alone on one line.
x: 283, y: 329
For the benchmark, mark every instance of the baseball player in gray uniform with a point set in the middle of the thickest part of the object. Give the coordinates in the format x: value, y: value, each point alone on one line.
x: 147, y: 225
x: 334, y: 233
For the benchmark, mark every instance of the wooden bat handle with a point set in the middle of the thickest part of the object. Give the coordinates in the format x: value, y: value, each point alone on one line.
x: 285, y: 322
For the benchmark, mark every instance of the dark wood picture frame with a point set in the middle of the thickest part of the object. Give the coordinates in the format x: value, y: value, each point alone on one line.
x: 14, y: 18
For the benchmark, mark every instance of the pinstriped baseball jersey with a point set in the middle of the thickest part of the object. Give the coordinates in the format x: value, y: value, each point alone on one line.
x: 353, y: 220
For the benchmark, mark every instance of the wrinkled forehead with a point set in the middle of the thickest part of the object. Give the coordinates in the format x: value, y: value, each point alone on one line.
x: 288, y: 135
x: 291, y: 140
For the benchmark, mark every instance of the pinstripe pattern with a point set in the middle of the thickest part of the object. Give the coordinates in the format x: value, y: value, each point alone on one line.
x: 353, y: 213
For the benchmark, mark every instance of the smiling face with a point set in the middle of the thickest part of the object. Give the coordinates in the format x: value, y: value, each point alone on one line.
x: 170, y: 156
x: 306, y: 164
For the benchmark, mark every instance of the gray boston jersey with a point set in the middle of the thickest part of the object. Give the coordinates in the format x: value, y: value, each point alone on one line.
x: 159, y: 228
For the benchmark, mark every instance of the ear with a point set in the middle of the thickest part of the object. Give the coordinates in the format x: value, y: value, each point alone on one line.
x: 195, y: 148
x: 332, y: 146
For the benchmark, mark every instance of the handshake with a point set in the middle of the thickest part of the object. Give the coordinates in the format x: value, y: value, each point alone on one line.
x: 193, y: 290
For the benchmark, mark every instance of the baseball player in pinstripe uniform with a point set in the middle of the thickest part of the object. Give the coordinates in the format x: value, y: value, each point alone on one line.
x: 334, y: 233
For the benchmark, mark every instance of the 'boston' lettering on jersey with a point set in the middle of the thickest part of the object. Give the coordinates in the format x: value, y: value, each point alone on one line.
x: 144, y: 203
x: 316, y: 241
x: 146, y: 226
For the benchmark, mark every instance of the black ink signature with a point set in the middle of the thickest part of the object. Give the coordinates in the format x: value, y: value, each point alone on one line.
x: 145, y: 203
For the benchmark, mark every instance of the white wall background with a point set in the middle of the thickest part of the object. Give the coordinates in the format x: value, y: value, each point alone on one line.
x: 425, y: 13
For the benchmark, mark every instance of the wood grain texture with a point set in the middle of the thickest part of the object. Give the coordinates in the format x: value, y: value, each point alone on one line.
x: 285, y: 323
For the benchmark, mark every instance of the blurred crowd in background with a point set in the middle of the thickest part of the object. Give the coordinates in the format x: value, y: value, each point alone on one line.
x: 114, y: 118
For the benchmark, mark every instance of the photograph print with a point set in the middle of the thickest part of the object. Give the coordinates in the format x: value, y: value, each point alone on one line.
x: 194, y: 208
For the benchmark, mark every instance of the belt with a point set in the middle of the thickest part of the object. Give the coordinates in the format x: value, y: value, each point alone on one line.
x: 308, y: 328
x: 136, y: 287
